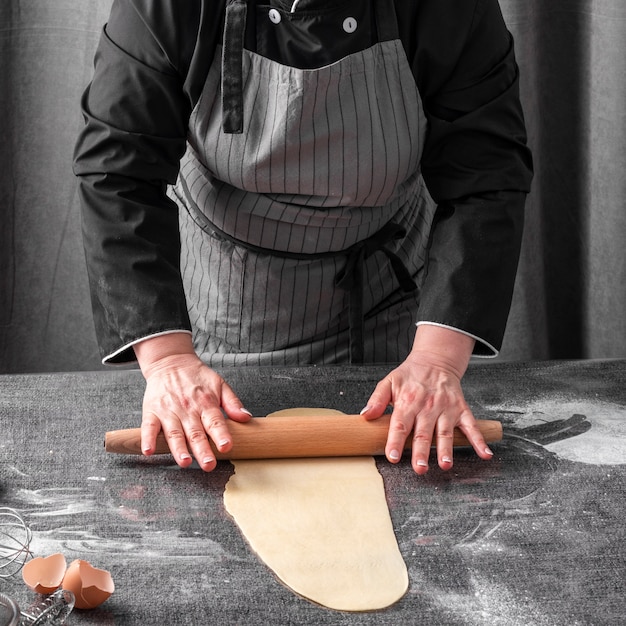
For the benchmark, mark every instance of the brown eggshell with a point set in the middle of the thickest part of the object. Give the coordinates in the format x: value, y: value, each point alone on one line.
x: 90, y: 586
x: 44, y: 574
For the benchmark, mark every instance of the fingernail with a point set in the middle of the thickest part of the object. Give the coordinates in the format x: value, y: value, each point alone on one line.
x: 185, y: 457
x: 223, y: 443
x: 394, y: 455
x: 422, y: 463
x: 488, y: 451
x: 365, y: 410
x: 147, y: 450
x: 446, y: 459
x: 208, y: 460
x: 245, y: 411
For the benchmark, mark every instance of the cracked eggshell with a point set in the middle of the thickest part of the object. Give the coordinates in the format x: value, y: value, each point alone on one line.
x: 44, y: 574
x: 90, y: 586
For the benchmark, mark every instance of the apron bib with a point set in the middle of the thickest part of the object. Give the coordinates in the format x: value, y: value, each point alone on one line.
x: 303, y: 235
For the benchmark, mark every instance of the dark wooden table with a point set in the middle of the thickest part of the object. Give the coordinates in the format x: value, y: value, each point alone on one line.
x: 536, y: 536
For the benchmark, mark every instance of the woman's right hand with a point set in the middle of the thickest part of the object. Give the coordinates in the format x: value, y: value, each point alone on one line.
x: 184, y: 398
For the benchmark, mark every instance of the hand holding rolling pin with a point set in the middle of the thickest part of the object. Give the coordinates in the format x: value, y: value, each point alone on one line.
x: 425, y: 392
x: 184, y: 398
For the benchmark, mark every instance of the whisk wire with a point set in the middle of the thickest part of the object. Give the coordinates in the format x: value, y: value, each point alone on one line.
x: 15, y: 538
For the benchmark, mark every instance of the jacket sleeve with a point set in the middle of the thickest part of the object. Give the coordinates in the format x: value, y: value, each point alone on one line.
x: 477, y: 167
x: 136, y: 113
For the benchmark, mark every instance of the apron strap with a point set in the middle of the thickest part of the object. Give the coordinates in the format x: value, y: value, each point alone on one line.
x: 386, y: 20
x: 232, y: 72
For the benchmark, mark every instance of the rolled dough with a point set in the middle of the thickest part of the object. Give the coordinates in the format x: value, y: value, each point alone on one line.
x: 322, y: 526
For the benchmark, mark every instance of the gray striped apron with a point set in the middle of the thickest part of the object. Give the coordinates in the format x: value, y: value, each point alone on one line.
x: 304, y: 218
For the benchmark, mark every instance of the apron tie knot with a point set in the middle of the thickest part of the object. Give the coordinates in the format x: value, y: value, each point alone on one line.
x: 350, y: 278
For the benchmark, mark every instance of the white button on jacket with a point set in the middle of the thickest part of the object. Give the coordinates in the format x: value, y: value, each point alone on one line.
x: 274, y: 16
x: 349, y: 24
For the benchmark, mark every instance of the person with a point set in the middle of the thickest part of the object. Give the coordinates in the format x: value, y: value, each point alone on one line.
x: 303, y: 182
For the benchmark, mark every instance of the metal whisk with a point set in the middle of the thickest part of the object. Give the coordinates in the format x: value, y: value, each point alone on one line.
x: 15, y: 538
x: 50, y: 610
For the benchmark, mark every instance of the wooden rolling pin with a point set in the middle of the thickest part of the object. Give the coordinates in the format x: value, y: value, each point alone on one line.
x: 292, y: 437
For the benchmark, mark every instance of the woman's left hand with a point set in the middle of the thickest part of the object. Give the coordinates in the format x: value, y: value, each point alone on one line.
x: 426, y: 396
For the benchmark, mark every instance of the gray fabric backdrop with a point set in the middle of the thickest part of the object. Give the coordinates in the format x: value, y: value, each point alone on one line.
x: 570, y: 296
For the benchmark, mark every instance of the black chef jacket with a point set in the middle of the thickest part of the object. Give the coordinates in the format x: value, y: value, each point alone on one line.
x: 150, y: 68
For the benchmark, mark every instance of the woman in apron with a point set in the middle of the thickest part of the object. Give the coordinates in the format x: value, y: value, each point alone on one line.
x: 303, y: 182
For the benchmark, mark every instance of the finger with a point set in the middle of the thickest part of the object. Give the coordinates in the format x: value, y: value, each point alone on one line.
x: 215, y: 426
x: 378, y: 401
x: 469, y: 427
x: 150, y: 428
x: 444, y: 432
x: 176, y: 439
x: 422, y: 441
x: 233, y: 406
x: 200, y: 447
x: 400, y: 425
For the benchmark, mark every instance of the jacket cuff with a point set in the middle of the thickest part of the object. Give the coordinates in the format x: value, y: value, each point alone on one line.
x: 482, y: 348
x: 125, y: 354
